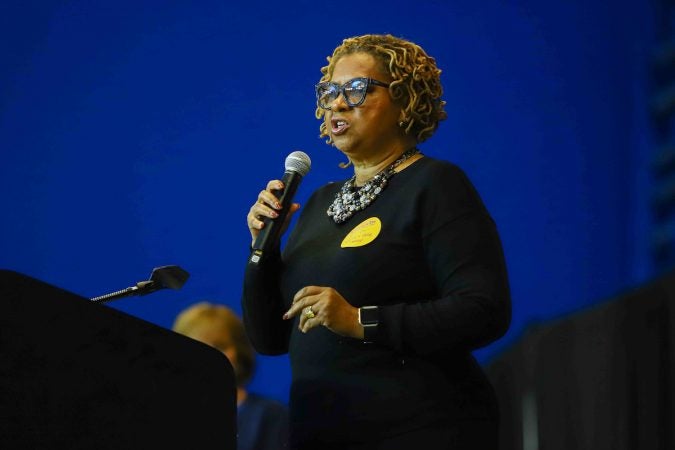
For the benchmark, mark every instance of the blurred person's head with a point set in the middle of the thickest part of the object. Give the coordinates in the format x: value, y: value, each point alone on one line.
x: 219, y: 327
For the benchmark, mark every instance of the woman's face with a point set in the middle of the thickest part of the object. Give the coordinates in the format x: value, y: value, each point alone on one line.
x: 370, y: 129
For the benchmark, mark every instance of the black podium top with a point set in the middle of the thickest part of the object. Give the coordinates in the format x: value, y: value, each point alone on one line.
x: 76, y: 375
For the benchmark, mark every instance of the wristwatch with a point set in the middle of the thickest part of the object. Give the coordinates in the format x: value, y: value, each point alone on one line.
x: 369, y: 318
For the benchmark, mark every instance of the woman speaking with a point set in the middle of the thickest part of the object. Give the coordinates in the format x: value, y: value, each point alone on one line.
x: 390, y: 278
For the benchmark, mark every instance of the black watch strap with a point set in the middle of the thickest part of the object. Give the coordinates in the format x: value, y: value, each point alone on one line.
x: 369, y: 318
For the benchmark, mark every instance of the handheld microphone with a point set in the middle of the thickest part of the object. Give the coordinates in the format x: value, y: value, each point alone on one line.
x: 297, y: 165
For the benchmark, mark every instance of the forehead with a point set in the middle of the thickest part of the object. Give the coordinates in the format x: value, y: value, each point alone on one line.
x: 356, y: 65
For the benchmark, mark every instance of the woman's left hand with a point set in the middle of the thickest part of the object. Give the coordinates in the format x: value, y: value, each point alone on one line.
x: 324, y: 306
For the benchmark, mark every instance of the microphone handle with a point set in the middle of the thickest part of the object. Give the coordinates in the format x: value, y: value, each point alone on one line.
x: 271, y: 232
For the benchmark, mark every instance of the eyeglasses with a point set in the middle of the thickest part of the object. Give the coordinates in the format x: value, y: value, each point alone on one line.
x: 354, y: 91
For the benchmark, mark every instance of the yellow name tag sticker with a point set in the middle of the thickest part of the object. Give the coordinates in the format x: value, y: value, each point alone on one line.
x: 364, y: 233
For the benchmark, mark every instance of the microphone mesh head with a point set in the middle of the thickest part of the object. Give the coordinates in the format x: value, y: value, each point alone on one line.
x: 298, y: 162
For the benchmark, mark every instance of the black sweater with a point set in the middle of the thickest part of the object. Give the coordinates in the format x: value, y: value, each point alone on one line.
x: 437, y: 272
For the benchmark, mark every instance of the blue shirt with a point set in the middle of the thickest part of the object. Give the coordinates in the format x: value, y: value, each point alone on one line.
x: 262, y: 424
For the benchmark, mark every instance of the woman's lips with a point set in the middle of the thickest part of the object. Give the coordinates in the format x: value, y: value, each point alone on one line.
x: 339, y: 126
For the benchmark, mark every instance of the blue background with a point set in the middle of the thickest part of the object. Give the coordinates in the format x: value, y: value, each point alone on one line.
x: 137, y: 134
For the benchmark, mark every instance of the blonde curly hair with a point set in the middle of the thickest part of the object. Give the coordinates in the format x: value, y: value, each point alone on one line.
x: 415, y: 85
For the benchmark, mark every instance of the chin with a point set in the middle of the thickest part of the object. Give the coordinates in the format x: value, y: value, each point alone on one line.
x: 340, y: 143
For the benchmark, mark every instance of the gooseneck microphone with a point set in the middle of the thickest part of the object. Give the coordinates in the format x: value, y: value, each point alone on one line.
x: 297, y: 165
x: 172, y: 277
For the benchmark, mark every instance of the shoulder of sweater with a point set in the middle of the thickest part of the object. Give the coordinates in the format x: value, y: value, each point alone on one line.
x: 445, y: 188
x: 441, y: 166
x: 438, y: 173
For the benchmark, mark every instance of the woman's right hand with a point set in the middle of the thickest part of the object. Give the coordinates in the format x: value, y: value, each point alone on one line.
x: 267, y: 205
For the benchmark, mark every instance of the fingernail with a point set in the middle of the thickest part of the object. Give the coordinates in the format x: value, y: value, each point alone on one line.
x: 285, y: 316
x: 278, y: 205
x: 275, y: 214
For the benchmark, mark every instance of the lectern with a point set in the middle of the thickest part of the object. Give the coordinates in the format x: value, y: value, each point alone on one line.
x: 80, y: 375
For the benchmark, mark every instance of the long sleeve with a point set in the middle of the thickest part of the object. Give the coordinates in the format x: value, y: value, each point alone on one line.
x: 262, y: 307
x: 465, y: 258
x: 470, y: 306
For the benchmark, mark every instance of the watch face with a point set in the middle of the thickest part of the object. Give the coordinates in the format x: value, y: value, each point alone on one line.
x: 368, y: 315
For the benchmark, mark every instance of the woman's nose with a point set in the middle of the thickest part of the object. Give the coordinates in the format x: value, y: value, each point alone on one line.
x: 339, y: 104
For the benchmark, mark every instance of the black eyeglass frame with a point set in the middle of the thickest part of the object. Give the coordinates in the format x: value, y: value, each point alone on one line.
x: 341, y: 90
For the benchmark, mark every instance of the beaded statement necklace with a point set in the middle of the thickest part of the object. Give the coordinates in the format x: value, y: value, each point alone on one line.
x: 351, y: 199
